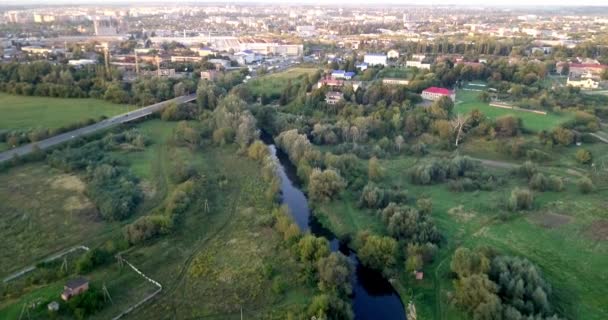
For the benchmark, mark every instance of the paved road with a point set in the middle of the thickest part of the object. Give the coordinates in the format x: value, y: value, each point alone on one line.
x: 67, y: 136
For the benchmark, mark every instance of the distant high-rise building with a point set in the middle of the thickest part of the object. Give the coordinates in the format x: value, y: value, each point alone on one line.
x: 105, y: 26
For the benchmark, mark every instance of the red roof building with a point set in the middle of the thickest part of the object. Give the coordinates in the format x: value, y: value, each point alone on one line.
x: 435, y: 93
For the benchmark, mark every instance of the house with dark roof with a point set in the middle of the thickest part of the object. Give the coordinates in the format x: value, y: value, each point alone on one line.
x: 74, y: 287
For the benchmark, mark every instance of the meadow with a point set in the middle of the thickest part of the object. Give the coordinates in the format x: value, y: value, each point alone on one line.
x: 467, y: 101
x: 23, y: 112
x: 274, y: 83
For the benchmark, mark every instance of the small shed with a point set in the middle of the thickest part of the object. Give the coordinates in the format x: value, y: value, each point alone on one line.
x: 74, y: 287
x: 419, y: 275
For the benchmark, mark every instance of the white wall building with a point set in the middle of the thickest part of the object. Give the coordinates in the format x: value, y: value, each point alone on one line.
x: 375, y: 59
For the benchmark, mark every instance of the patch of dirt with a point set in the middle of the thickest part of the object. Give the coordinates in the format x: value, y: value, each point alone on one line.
x: 75, y: 203
x: 550, y: 220
x: 68, y: 182
x: 598, y: 230
x: 461, y: 214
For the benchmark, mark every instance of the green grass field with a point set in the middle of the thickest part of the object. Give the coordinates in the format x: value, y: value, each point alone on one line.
x: 392, y: 72
x: 23, y: 112
x: 467, y: 101
x: 273, y: 84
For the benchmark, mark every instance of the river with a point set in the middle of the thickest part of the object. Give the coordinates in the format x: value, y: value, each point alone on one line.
x: 373, y: 296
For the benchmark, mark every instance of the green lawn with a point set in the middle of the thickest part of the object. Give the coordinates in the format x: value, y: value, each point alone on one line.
x: 467, y: 101
x: 23, y: 112
x: 392, y: 72
x: 273, y: 84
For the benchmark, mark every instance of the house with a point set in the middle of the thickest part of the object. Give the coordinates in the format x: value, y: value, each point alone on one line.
x: 578, y: 69
x: 435, y: 93
x: 219, y: 63
x: 417, y: 64
x: 247, y: 57
x: 74, y: 287
x: 186, y: 59
x: 419, y: 275
x: 333, y: 97
x: 203, y: 52
x: 395, y: 81
x: 210, y: 75
x: 82, y: 62
x: 341, y: 74
x: 392, y: 54
x: 330, y: 83
x: 374, y: 59
x: 418, y: 57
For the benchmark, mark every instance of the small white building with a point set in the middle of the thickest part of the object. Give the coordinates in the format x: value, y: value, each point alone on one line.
x: 82, y: 62
x: 375, y: 59
x: 417, y: 64
x: 395, y: 81
x: 392, y: 54
x: 247, y: 57
x: 362, y: 66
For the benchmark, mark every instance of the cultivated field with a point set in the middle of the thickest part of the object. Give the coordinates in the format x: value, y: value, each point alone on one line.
x: 22, y: 112
x: 467, y: 101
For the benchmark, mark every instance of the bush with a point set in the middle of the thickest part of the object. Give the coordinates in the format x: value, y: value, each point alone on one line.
x: 585, y: 185
x: 324, y: 185
x: 583, y: 156
x: 521, y: 199
x: 539, y: 182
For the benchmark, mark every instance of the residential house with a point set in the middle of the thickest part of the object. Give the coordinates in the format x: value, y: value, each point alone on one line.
x: 74, y: 287
x: 362, y: 66
x: 584, y: 82
x: 333, y: 97
x: 417, y: 64
x: 341, y: 74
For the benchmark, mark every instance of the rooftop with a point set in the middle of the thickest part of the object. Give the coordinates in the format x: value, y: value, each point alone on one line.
x: 438, y: 90
x: 75, y: 283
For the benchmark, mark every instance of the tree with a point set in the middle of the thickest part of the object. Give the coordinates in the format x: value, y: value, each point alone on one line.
x: 563, y: 136
x: 507, y: 126
x: 311, y: 249
x: 458, y: 124
x: 375, y: 171
x: 466, y: 263
x: 477, y: 295
x: 377, y: 252
x: 324, y: 185
x: 335, y: 274
x: 442, y: 108
x: 583, y: 156
x: 329, y: 306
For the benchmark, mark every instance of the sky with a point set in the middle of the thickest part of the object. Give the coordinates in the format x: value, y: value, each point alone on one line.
x: 508, y: 3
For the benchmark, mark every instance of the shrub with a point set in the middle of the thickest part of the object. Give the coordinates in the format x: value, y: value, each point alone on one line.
x: 539, y: 182
x: 521, y: 199
x: 324, y: 185
x: 583, y: 156
x: 585, y: 185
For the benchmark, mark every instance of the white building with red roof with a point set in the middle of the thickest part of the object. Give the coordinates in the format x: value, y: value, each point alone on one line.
x: 435, y: 93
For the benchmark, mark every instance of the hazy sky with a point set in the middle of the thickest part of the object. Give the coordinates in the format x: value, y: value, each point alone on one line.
x: 510, y: 3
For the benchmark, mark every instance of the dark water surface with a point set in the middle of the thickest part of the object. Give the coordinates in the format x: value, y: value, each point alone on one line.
x: 373, y: 296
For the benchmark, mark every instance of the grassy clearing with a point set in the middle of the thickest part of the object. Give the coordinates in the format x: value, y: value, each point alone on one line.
x: 43, y: 211
x: 273, y: 84
x: 22, y: 112
x: 466, y: 101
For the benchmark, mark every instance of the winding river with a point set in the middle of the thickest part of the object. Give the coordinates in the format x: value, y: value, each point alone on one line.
x: 373, y: 296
